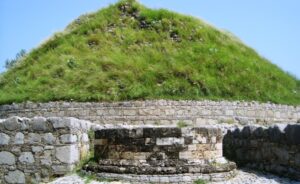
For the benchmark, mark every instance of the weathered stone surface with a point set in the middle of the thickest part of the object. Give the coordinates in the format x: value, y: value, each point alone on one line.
x: 19, y: 138
x: 46, y: 161
x: 293, y: 134
x: 62, y: 169
x: 26, y: 158
x: 34, y: 138
x: 37, y: 149
x: 157, y: 150
x: 4, y: 139
x: 68, y: 138
x: 275, y: 149
x: 158, y: 111
x: 70, y: 123
x: 34, y: 147
x: 40, y: 124
x: 12, y: 123
x: 48, y: 138
x: 85, y: 137
x: 67, y: 154
x: 7, y: 158
x: 15, y: 177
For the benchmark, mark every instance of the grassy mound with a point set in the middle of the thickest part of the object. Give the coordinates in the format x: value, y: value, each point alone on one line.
x: 127, y: 52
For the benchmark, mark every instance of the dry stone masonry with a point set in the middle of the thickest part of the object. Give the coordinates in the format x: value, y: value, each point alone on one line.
x: 138, y: 141
x: 160, y: 112
x: 161, y: 154
x: 33, y: 150
x: 275, y: 149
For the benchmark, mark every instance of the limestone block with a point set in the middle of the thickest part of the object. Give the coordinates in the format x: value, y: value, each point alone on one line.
x: 192, y: 147
x: 200, y: 140
x: 26, y: 158
x: 68, y: 138
x: 48, y: 138
x: 12, y: 123
x: 67, y: 154
x: 19, y: 138
x: 15, y: 177
x: 84, y: 137
x: 69, y: 123
x: 34, y: 138
x: 46, y: 161
x: 37, y: 149
x: 185, y: 155
x: 62, y: 169
x: 40, y: 124
x: 169, y: 141
x: 219, y: 146
x: 164, y: 179
x: 4, y: 139
x: 129, y: 112
x: 229, y: 112
x: 212, y: 154
x: 213, y: 140
x: 7, y: 158
x: 186, y: 179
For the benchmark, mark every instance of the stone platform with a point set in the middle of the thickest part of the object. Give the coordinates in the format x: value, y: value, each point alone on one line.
x: 148, y: 154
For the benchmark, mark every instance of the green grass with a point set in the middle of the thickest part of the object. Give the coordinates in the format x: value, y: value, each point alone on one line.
x: 200, y: 181
x: 181, y: 124
x: 129, y: 52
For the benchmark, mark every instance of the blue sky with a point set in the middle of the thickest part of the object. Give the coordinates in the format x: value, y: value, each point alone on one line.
x: 271, y: 27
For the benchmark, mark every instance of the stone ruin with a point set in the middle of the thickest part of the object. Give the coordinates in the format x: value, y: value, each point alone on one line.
x: 146, y: 142
x: 161, y: 154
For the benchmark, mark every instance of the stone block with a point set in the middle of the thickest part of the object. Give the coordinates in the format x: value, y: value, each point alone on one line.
x: 169, y: 141
x: 62, y: 169
x: 12, y: 124
x: 185, y: 155
x: 293, y: 134
x: 48, y: 138
x: 4, y: 139
x: 7, y: 158
x: 68, y: 123
x: 26, y: 158
x: 34, y: 138
x: 15, y: 177
x: 46, y: 161
x: 37, y: 149
x: 67, y: 154
x: 84, y: 138
x: 19, y: 138
x: 40, y: 124
x: 68, y: 138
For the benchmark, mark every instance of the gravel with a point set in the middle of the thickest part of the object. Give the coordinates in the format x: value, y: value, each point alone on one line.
x: 244, y: 176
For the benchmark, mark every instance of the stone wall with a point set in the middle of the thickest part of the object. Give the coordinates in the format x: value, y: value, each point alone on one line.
x: 145, y: 153
x: 34, y: 150
x: 161, y: 112
x: 275, y: 149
